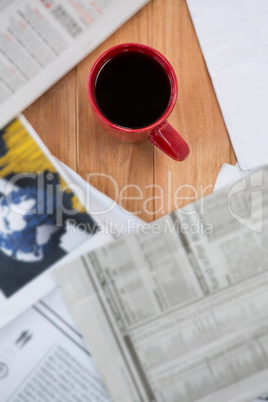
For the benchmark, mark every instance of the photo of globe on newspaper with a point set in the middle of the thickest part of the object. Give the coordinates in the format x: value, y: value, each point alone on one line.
x: 37, y: 210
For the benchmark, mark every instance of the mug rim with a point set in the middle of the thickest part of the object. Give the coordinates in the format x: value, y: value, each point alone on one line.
x: 124, y: 47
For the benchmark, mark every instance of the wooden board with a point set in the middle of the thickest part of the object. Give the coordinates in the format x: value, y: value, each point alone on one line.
x: 139, y: 176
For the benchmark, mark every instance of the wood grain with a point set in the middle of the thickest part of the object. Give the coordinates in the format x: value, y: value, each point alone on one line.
x: 138, y: 175
x: 54, y: 115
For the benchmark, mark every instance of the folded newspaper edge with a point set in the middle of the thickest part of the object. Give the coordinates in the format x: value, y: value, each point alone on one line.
x: 229, y: 174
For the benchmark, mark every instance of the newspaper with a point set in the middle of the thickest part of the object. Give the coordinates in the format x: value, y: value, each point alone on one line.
x: 43, y: 358
x: 46, y: 332
x: 180, y: 313
x: 41, y: 40
x: 40, y: 219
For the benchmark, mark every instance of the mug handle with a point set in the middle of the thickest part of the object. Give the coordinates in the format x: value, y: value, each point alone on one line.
x: 166, y: 138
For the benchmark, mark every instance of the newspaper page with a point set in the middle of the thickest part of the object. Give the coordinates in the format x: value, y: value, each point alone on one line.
x: 179, y: 311
x: 43, y: 358
x: 40, y: 219
x: 41, y: 40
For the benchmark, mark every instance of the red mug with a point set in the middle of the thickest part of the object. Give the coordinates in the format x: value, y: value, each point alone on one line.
x: 160, y: 133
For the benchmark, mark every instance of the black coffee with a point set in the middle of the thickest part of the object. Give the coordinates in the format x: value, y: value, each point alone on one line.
x: 132, y: 90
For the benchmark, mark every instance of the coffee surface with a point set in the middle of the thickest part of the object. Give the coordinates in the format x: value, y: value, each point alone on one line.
x: 132, y: 90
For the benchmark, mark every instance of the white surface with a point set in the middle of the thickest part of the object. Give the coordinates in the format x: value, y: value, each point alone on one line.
x: 229, y: 174
x: 233, y: 35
